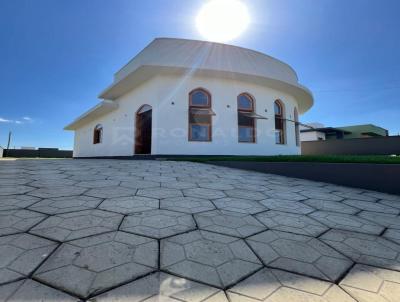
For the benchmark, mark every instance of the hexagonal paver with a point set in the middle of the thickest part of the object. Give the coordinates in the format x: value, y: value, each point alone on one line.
x: 69, y: 226
x: 17, y: 221
x: 364, y: 248
x: 13, y: 202
x: 11, y: 190
x: 178, y: 185
x: 367, y: 283
x: 29, y: 290
x: 61, y: 205
x: 211, y: 258
x: 391, y: 203
x: 271, y: 285
x: 356, y: 195
x: 371, y: 206
x: 139, y: 184
x: 293, y: 223
x: 163, y: 287
x: 204, y: 193
x: 186, y: 204
x: 57, y: 191
x: 299, y: 254
x: 21, y: 254
x: 49, y: 182
x: 158, y: 223
x: 111, y: 192
x: 315, y: 194
x: 285, y: 195
x: 287, y: 206
x: 346, y: 222
x: 92, y: 265
x: 245, y: 194
x: 384, y: 196
x: 229, y: 223
x: 386, y: 220
x: 128, y: 205
x: 392, y: 234
x: 159, y: 193
x: 331, y: 206
x: 216, y: 186
x: 239, y: 205
x: 98, y: 183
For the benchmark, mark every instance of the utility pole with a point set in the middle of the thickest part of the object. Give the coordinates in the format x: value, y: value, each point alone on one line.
x: 9, y: 140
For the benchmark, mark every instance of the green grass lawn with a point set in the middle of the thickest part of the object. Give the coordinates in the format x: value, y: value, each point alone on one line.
x: 370, y: 159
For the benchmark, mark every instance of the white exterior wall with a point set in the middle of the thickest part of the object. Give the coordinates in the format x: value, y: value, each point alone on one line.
x: 311, y: 136
x: 170, y: 122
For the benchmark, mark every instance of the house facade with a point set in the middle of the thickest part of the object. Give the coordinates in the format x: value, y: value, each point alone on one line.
x: 185, y: 97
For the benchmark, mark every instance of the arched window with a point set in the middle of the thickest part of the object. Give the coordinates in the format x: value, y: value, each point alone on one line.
x: 279, y: 122
x: 200, y: 115
x: 98, y: 134
x: 246, y: 121
x: 296, y: 126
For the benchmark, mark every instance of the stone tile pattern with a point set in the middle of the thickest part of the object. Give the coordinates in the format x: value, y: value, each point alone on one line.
x: 226, y: 221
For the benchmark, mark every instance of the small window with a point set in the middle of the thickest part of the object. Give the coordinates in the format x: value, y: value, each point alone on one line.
x: 98, y: 134
x: 279, y: 123
x: 296, y: 127
x: 246, y: 122
x: 200, y: 116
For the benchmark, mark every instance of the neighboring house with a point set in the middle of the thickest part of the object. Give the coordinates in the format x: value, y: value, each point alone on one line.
x: 314, y: 132
x: 195, y: 98
x: 1, y: 152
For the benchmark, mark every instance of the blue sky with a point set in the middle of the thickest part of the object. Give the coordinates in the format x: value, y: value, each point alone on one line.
x: 56, y: 56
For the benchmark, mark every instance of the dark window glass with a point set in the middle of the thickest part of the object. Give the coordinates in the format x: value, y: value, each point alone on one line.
x: 245, y: 120
x: 245, y: 103
x: 200, y: 98
x: 200, y: 132
x: 246, y: 134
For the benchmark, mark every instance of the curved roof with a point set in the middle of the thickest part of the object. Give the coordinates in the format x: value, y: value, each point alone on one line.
x: 202, y: 56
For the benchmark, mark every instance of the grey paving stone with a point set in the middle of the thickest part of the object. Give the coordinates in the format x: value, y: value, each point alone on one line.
x: 384, y: 196
x: 70, y: 226
x: 163, y: 287
x: 51, y: 182
x: 128, y: 205
x: 158, y: 223
x: 111, y: 192
x: 293, y: 223
x: 299, y: 254
x: 211, y: 258
x: 32, y: 291
x: 14, y: 189
x: 21, y: 254
x: 216, y: 186
x: 17, y: 221
x: 364, y: 248
x: 392, y: 234
x: 287, y: 206
x: 245, y: 206
x: 159, y: 193
x: 139, y: 184
x: 315, y: 194
x: 98, y: 183
x: 229, y: 223
x: 347, y: 222
x: 204, y: 193
x: 57, y: 191
x: 285, y: 195
x: 331, y: 206
x: 245, y: 194
x: 178, y: 185
x: 250, y: 187
x: 13, y: 202
x: 61, y: 205
x: 186, y: 204
x: 357, y: 196
x: 386, y: 220
x: 391, y: 203
x: 367, y: 284
x: 271, y: 285
x: 89, y: 266
x: 371, y: 206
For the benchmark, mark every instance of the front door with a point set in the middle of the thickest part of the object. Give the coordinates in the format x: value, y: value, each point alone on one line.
x: 143, y: 130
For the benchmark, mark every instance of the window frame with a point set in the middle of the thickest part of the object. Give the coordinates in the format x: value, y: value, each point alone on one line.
x: 98, y: 134
x: 253, y: 126
x: 209, y: 104
x: 281, y: 117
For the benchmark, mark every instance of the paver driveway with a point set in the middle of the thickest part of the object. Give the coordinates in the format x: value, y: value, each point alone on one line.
x: 114, y: 230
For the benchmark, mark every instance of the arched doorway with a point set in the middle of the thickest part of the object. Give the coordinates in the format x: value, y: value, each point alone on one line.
x: 143, y: 130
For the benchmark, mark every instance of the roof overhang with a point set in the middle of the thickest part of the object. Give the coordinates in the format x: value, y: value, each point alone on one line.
x: 302, y: 95
x: 99, y: 110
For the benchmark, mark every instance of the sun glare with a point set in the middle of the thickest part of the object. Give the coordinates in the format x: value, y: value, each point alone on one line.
x: 222, y: 20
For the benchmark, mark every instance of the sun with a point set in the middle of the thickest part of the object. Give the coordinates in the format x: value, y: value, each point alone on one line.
x: 222, y: 20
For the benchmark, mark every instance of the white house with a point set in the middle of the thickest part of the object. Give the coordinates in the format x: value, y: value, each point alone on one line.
x: 195, y: 98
